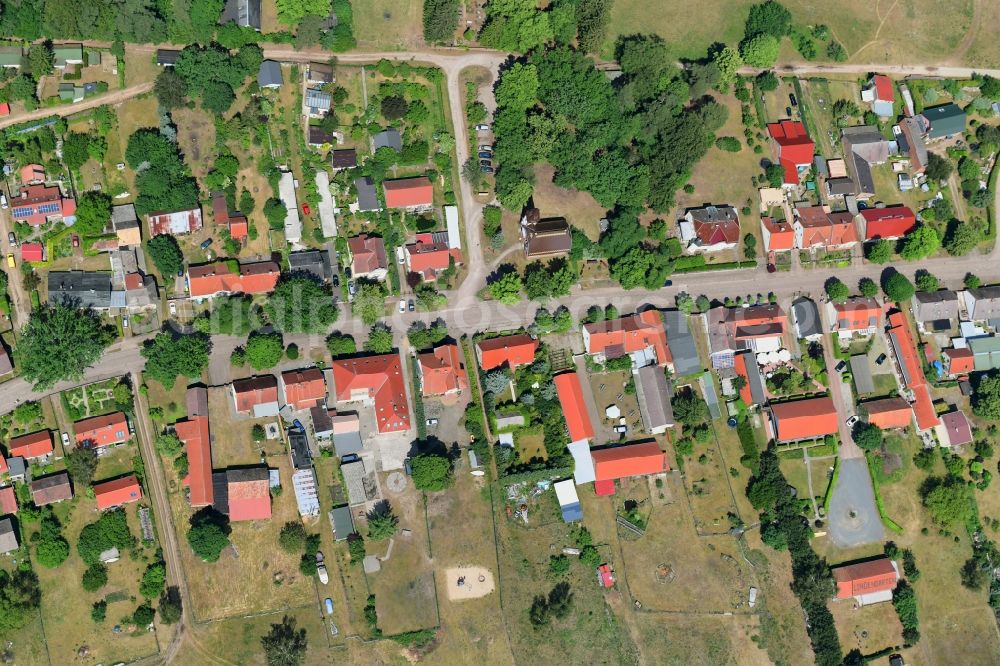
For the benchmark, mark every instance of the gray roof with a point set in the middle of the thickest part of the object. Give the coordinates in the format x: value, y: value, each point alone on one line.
x: 389, y: 138
x: 838, y: 187
x: 367, y: 196
x: 347, y: 442
x: 713, y: 214
x: 945, y: 120
x: 85, y: 289
x: 314, y: 262
x: 756, y: 382
x: 681, y: 343
x: 985, y: 303
x: 819, y: 164
x: 167, y: 56
x: 343, y: 522
x: 269, y: 74
x: 245, y: 13
x: 8, y: 535
x: 322, y: 423
x: 124, y: 217
x: 654, y: 393
x: 861, y: 369
x: 317, y: 99
x: 354, y: 479
x: 16, y: 466
x: 806, y: 316
x: 301, y: 455
x: 931, y: 306
x: 145, y: 296
x: 914, y: 141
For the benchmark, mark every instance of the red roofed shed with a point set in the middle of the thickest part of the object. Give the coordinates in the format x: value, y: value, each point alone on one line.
x: 574, y: 406
x: 32, y: 252
x: 620, y: 462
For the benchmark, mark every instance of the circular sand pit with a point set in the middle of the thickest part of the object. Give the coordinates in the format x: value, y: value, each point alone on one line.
x: 395, y: 482
x: 468, y: 582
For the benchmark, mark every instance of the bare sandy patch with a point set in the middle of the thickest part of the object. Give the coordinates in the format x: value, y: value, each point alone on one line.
x: 468, y: 582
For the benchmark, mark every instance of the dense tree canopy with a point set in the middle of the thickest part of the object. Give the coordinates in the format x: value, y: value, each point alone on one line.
x: 93, y: 212
x: 140, y: 21
x: 166, y: 255
x: 20, y: 597
x: 836, y: 290
x: 264, y: 350
x: 949, y: 500
x: 284, y: 645
x: 897, y: 288
x: 879, y: 252
x: 169, y: 355
x: 60, y: 342
x: 208, y: 534
x: 921, y: 242
x: 986, y: 399
x: 301, y: 304
x: 431, y: 471
x: 162, y: 178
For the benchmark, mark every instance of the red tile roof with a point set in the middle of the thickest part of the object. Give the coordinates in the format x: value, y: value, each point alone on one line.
x: 713, y: 232
x: 238, y: 227
x: 883, y: 88
x: 405, y: 192
x: 367, y: 254
x: 574, y: 407
x: 379, y: 379
x: 857, y: 314
x: 31, y: 206
x: 3, y: 464
x: 890, y: 223
x: 957, y: 426
x: 8, y: 500
x: 33, y: 445
x: 514, y: 350
x: 249, y: 494
x: 133, y: 281
x: 605, y: 575
x: 620, y: 462
x: 619, y: 337
x: 32, y: 173
x: 304, y: 388
x: 99, y: 431
x: 442, y: 371
x: 740, y: 366
x: 781, y: 236
x: 194, y: 432
x: 117, y: 492
x: 4, y: 109
x: 32, y: 251
x: 889, y: 413
x: 254, y: 391
x: 794, y: 147
x: 821, y: 228
x: 959, y: 361
x: 426, y: 259
x: 804, y: 419
x: 212, y: 279
x: 757, y: 321
x: 923, y: 406
x: 865, y: 578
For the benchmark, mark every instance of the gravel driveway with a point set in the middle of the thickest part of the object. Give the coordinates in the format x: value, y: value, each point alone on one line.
x: 853, y: 518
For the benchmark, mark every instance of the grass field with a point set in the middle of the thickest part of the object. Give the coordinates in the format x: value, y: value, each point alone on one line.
x: 670, y: 639
x: 708, y: 483
x: 388, y: 24
x: 869, y: 628
x: 239, y: 638
x: 579, y: 208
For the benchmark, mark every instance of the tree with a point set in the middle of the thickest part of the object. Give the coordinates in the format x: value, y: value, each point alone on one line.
x: 962, y: 237
x: 166, y: 255
x: 169, y: 444
x: 42, y: 59
x: 506, y: 288
x: 897, y: 288
x: 689, y: 409
x: 835, y: 51
x: 938, y: 168
x: 369, y: 302
x: 760, y: 51
x: 393, y: 107
x: 284, y: 645
x: 775, y: 175
x: 868, y: 288
x: 379, y: 340
x: 948, y: 500
x: 51, y: 548
x: 340, y: 344
x: 95, y: 577
x: 81, y: 464
x: 972, y: 574
x: 382, y: 523
x: 233, y: 315
x: 300, y: 304
x: 170, y: 608
x: 153, y: 580
x: 879, y: 252
x: 770, y: 18
x: 972, y: 281
x: 431, y: 471
x: 208, y: 534
x: 92, y: 213
x: 60, y: 342
x: 99, y: 611
x: 292, y: 537
x: 143, y: 615
x: 264, y: 350
x: 110, y: 530
x: 868, y: 436
x: 728, y: 60
x: 986, y: 397
x: 20, y: 597
x: 170, y: 89
x: 275, y: 212
x: 730, y: 144
x: 920, y: 243
x: 75, y: 153
x: 836, y: 290
x: 518, y: 87
x: 440, y: 19
x: 767, y: 81
x: 925, y: 280
x: 169, y: 355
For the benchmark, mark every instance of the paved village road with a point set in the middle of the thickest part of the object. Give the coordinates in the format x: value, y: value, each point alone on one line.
x: 853, y: 518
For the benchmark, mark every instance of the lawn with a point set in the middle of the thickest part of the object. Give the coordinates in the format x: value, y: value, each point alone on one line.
x: 795, y: 473
x: 579, y: 208
x: 239, y: 638
x: 818, y: 98
x: 869, y: 628
x: 676, y: 639
x: 388, y: 24
x: 707, y: 482
x: 530, y: 444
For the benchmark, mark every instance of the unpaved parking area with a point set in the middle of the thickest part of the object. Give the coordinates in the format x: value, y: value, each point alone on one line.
x: 854, y: 519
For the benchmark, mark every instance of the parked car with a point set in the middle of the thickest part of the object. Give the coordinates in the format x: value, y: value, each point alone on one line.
x: 482, y: 127
x: 486, y: 146
x: 402, y: 305
x: 410, y: 305
x: 173, y: 308
x: 792, y: 100
x: 124, y: 321
x: 788, y: 111
x: 485, y: 153
x: 328, y: 604
x: 851, y: 420
x: 12, y: 239
x: 205, y: 243
x: 10, y: 261
x: 400, y: 255
x: 881, y: 359
x: 76, y: 241
x: 350, y: 287
x: 668, y: 283
x: 3, y: 201
x: 840, y: 366
x: 432, y: 422
x: 485, y: 163
x: 486, y: 169
x: 65, y: 439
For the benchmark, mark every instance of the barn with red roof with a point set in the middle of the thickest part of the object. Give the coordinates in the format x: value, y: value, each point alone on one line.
x: 574, y: 407
x: 889, y: 223
x: 620, y: 462
x: 867, y: 582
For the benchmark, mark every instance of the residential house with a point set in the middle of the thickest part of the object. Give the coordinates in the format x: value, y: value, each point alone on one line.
x: 32, y: 252
x: 98, y: 432
x: 817, y: 227
x: 177, y: 223
x: 303, y: 388
x: 864, y: 147
x: 388, y: 138
x: 312, y: 262
x: 653, y: 393
x: 890, y: 223
x: 344, y: 158
x: 141, y: 292
x: 244, y: 13
x: 320, y: 137
x: 40, y: 203
x: 319, y: 74
x: 195, y: 433
x: 51, y: 489
x: 247, y: 495
x: 8, y: 536
x: 167, y: 57
x: 574, y: 407
x: 32, y: 174
x: 866, y: 582
x: 759, y: 328
x: 79, y: 288
x: 946, y: 121
x: 510, y: 350
x: 11, y: 56
x: 377, y: 381
x: 681, y: 343
x: 256, y: 395
x: 322, y: 421
x: 269, y: 75
x: 621, y: 462
x: 854, y: 317
x: 935, y: 310
x: 880, y: 94
x: 641, y: 336
x: 805, y: 314
x: 911, y: 371
x: 367, y: 195
x: 367, y: 256
x: 33, y: 446
x: 888, y: 413
x: 210, y: 280
x: 985, y: 353
x: 346, y: 433
x: 286, y: 192
x: 955, y: 429
x: 778, y: 235
x: 67, y: 54
x: 413, y: 194
x: 958, y: 361
x: 126, y: 225
x: 792, y: 148
x: 428, y: 257
x: 710, y: 229
x: 800, y: 420
x: 441, y: 371
x: 544, y: 238
x: 982, y: 304
x: 316, y: 103
x: 8, y: 500
x: 910, y: 138
x: 117, y: 492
